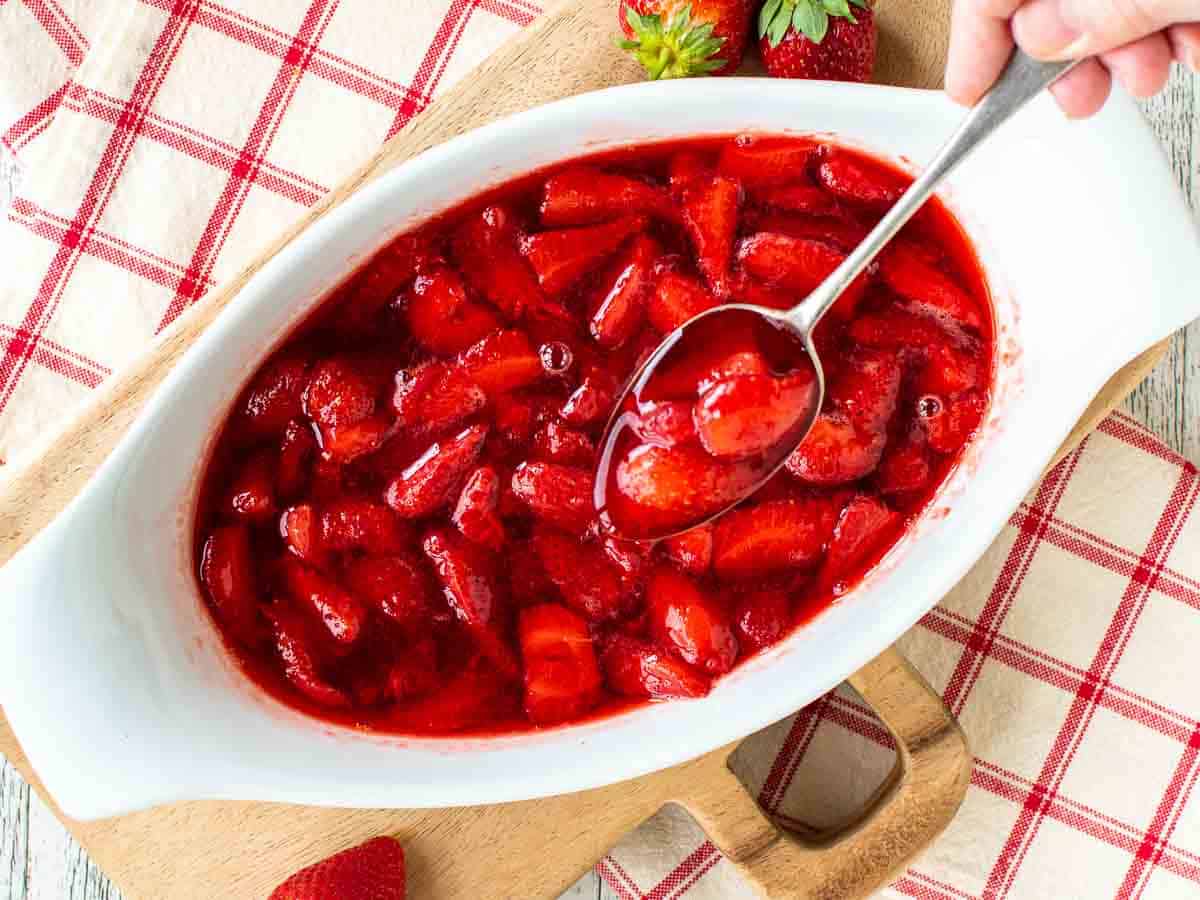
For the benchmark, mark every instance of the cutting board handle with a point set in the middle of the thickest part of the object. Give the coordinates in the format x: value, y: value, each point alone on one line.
x: 913, y: 806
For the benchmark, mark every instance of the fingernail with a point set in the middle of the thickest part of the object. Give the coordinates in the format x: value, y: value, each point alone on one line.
x: 1043, y: 32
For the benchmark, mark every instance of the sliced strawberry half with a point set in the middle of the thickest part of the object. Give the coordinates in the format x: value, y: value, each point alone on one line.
x: 373, y: 870
x: 950, y: 423
x: 397, y: 586
x: 252, y: 495
x: 691, y: 551
x: 349, y: 441
x: 475, y: 515
x: 675, y: 299
x: 592, y: 401
x: 356, y: 523
x: 556, y: 443
x: 748, y: 415
x: 559, y: 258
x: 760, y: 161
x: 796, y: 264
x: 300, y: 528
x: 836, y: 452
x: 274, y: 396
x: 637, y: 668
x: 908, y: 272
x: 905, y: 465
x: 561, y: 495
x: 430, y: 482
x: 689, y: 622
x: 228, y: 572
x: 296, y: 452
x: 299, y: 649
x: 434, y: 396
x: 440, y: 315
x: 338, y: 393
x: 710, y: 217
x: 862, y: 527
x: 501, y: 363
x: 849, y: 177
x: 762, y: 618
x: 485, y: 248
x: 588, y: 581
x: 342, y: 615
x: 585, y: 195
x: 667, y: 423
x: 562, y: 677
x: 681, y: 484
x: 772, y: 537
x: 616, y: 305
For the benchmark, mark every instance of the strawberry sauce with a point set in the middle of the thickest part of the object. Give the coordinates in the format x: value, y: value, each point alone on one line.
x: 397, y: 528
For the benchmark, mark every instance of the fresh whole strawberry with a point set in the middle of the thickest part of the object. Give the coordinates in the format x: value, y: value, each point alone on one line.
x: 678, y: 40
x: 370, y: 871
x: 824, y: 39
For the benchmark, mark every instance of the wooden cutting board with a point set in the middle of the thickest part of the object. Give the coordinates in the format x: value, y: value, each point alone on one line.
x: 537, y: 848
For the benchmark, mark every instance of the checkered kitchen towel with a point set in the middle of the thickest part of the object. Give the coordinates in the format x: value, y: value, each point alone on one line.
x: 164, y: 143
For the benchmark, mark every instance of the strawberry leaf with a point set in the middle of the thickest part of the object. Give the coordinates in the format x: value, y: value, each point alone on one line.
x: 767, y: 15
x: 839, y: 8
x: 811, y: 20
x: 678, y: 49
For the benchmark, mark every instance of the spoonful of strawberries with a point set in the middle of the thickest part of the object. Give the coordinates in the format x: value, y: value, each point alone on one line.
x: 746, y: 379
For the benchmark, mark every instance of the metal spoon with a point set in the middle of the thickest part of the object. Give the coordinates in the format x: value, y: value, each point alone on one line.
x: 1023, y: 78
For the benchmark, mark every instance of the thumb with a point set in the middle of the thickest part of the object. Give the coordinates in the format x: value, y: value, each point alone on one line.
x: 1070, y: 29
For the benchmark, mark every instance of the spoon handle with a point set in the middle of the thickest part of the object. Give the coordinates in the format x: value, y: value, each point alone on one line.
x: 1023, y: 79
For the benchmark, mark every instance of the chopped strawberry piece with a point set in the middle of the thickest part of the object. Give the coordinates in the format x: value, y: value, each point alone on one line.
x: 587, y: 196
x: 684, y: 483
x: 798, y: 198
x: 772, y: 537
x: 501, y: 363
x: 354, y: 523
x: 762, y: 618
x: 559, y: 494
x: 338, y: 394
x: 252, y: 496
x: 690, y: 623
x: 762, y: 161
x: 433, y: 479
x: 636, y: 668
x: 684, y: 169
x: 749, y: 290
x: 441, y: 317
x: 559, y: 258
x: 897, y: 329
x: 948, y: 370
x: 905, y: 463
x: 380, y: 283
x: 274, y: 396
x: 841, y: 234
x: 435, y: 396
x: 617, y: 302
x: 347, y: 442
x: 475, y: 514
x: 527, y: 579
x: 906, y: 271
x: 513, y: 420
x: 342, y: 615
x: 686, y: 376
x: 298, y: 649
x: 630, y: 556
x: 592, y: 401
x: 397, y: 586
x: 952, y: 422
x: 485, y: 248
x: 795, y: 264
x: 863, y: 526
x: 852, y: 178
x: 562, y: 679
x: 476, y: 695
x: 667, y: 423
x: 227, y: 570
x: 415, y: 673
x: 587, y: 580
x: 299, y: 526
x: 836, y: 452
x: 748, y: 415
x: 691, y: 551
x: 373, y: 870
x: 675, y: 299
x: 710, y: 216
x: 557, y: 443
x: 296, y: 452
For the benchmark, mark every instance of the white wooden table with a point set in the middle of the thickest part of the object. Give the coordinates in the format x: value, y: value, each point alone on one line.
x: 39, y: 860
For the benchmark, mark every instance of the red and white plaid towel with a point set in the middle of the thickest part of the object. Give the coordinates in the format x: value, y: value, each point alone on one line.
x: 165, y: 141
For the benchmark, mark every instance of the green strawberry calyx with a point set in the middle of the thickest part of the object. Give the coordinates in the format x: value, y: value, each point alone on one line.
x: 679, y: 49
x: 809, y: 17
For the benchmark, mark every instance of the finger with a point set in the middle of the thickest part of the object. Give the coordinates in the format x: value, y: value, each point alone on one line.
x: 1082, y: 91
x: 1185, y: 44
x: 1069, y: 29
x: 1143, y: 66
x: 980, y: 44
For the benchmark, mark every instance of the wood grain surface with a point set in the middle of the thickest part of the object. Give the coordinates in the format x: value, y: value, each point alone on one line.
x: 37, y: 857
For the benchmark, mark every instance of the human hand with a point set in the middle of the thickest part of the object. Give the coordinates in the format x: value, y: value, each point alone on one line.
x: 1131, y: 40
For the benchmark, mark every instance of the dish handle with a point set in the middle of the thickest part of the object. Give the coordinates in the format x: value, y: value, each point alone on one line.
x: 914, y: 805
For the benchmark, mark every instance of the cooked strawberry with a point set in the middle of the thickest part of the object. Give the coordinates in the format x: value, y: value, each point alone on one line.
x: 905, y: 463
x: 296, y: 451
x: 512, y: 420
x: 397, y: 586
x: 674, y: 39
x: 907, y: 272
x: 863, y: 526
x: 227, y: 570
x: 380, y: 283
x: 371, y: 871
x: 759, y: 162
x: 274, y: 396
x: 817, y: 39
x: 854, y: 179
x: 689, y: 622
x: 710, y: 217
x: 342, y: 615
x: 343, y: 443
x: 355, y: 523
x: 867, y: 388
x: 252, y: 495
x: 431, y: 481
x: 559, y: 494
x: 667, y: 423
x: 772, y: 537
x: 300, y: 528
x: 501, y: 363
x: 681, y: 483
x: 836, y: 452
x: 748, y: 415
x: 617, y: 303
x: 436, y: 395
x: 559, y: 258
x: 592, y: 401
x: 747, y: 289
x: 684, y: 168
x: 415, y: 673
x: 476, y: 695
x: 948, y: 370
x: 796, y: 264
x: 675, y: 299
x: 806, y: 199
x: 485, y: 248
x: 762, y: 618
x: 298, y: 647
x: 585, y: 195
x: 562, y: 679
x: 528, y: 582
x: 684, y: 376
x: 588, y: 581
x: 556, y: 443
x: 475, y: 514
x: 630, y: 556
x: 691, y: 551
x: 636, y: 668
x: 895, y: 328
x: 441, y: 317
x: 951, y: 423
x: 337, y: 393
